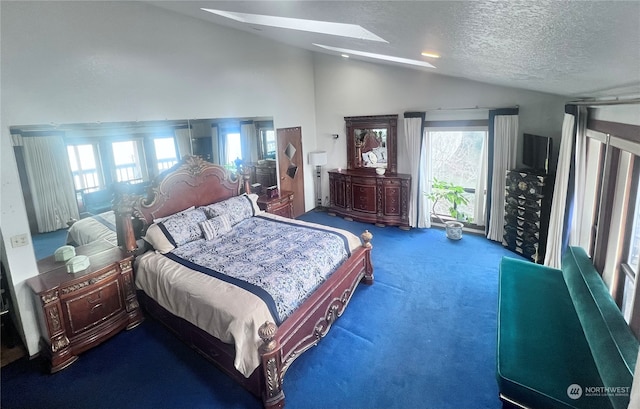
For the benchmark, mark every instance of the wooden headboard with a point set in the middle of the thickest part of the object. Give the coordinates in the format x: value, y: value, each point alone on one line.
x: 192, y: 182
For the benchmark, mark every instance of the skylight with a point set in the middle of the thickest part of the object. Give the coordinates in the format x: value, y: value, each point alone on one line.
x: 377, y: 56
x: 313, y: 26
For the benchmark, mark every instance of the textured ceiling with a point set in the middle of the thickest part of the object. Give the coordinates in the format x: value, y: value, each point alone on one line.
x: 571, y: 48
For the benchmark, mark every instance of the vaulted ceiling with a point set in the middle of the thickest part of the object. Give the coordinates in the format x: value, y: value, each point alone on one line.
x: 572, y: 48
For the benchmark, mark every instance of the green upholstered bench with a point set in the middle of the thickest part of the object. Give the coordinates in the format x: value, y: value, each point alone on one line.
x: 562, y: 341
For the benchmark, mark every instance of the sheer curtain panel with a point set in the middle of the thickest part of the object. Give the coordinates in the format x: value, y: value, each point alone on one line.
x: 217, y: 146
x: 580, y: 165
x: 553, y: 255
x: 249, y: 141
x: 183, y: 137
x: 480, y: 207
x: 503, y: 133
x: 49, y: 175
x: 414, y: 139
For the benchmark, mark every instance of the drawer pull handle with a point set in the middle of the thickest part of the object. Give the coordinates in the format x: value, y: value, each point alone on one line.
x: 97, y: 298
x: 95, y: 307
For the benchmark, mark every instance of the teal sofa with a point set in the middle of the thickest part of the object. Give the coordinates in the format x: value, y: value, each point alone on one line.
x: 562, y: 341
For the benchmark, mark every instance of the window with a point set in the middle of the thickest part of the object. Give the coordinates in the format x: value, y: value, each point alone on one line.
x: 456, y: 156
x: 166, y: 155
x: 631, y: 257
x: 127, y: 161
x: 611, y: 226
x: 630, y: 265
x: 230, y: 148
x: 83, y: 162
x: 268, y: 138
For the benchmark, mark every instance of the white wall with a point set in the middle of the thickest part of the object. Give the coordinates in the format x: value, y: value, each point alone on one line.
x: 70, y: 62
x: 348, y: 87
x: 626, y: 114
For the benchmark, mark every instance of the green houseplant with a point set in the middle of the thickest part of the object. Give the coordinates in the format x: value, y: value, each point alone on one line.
x: 453, y: 195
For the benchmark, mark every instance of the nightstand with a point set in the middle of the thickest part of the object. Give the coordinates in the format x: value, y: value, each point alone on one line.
x: 80, y: 310
x: 281, y: 205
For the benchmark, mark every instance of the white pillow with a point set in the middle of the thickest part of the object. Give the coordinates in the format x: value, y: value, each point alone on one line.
x: 237, y: 208
x: 254, y: 203
x: 381, y: 154
x: 158, y: 240
x: 183, y: 227
x: 159, y: 219
x: 215, y: 227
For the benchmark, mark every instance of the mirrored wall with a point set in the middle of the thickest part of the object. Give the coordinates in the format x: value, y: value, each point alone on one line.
x: 70, y: 171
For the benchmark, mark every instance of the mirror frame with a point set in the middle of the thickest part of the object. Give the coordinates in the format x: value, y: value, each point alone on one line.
x: 389, y: 122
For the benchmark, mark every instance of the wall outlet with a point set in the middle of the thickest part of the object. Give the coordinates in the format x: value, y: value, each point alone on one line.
x: 19, y: 240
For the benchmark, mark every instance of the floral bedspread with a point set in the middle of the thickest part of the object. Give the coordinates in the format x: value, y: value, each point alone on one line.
x: 280, y: 262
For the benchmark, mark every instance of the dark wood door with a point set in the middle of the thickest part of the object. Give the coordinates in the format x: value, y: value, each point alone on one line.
x: 291, y: 165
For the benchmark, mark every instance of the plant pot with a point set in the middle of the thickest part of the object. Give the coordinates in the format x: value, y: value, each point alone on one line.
x: 454, y: 230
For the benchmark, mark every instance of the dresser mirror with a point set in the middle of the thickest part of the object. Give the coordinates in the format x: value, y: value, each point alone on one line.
x: 371, y: 142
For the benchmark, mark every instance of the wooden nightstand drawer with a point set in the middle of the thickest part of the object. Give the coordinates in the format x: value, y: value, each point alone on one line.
x: 80, y: 310
x: 86, y: 310
x: 281, y: 205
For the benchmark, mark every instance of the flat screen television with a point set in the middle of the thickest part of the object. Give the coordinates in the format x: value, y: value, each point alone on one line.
x: 536, y: 151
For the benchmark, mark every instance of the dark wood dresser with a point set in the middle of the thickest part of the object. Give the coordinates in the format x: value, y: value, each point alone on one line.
x: 80, y: 310
x: 281, y: 205
x: 527, y: 208
x: 365, y: 196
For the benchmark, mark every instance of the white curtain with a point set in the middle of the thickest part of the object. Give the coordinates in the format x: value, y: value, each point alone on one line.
x: 580, y: 163
x: 480, y: 208
x: 183, y: 137
x: 414, y: 137
x: 504, y: 158
x: 215, y: 146
x: 553, y: 255
x: 51, y: 182
x: 249, y: 142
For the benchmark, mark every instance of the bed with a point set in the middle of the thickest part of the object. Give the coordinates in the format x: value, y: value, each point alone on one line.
x: 99, y: 227
x: 244, y: 324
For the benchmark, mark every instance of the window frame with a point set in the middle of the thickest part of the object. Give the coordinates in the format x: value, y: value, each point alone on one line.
x: 140, y: 153
x: 82, y: 172
x: 611, y: 252
x: 166, y: 163
x: 224, y: 130
x: 460, y: 126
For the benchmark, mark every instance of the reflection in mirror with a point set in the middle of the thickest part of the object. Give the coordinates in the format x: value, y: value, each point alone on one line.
x: 371, y: 147
x: 70, y: 173
x: 268, y: 142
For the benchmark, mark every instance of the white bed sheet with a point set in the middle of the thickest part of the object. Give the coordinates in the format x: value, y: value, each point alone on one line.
x: 229, y: 313
x: 88, y: 230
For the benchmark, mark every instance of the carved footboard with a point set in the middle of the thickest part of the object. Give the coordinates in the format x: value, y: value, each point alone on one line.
x: 311, y: 322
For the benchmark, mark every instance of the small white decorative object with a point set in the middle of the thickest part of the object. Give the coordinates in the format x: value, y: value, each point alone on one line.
x: 77, y: 263
x: 380, y: 171
x: 64, y: 253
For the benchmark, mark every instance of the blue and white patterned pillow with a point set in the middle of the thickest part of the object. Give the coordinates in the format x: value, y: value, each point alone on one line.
x: 183, y: 227
x: 215, y: 227
x: 237, y: 209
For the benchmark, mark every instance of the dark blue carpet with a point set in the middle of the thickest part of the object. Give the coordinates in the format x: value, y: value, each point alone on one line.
x: 422, y: 336
x: 44, y: 244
